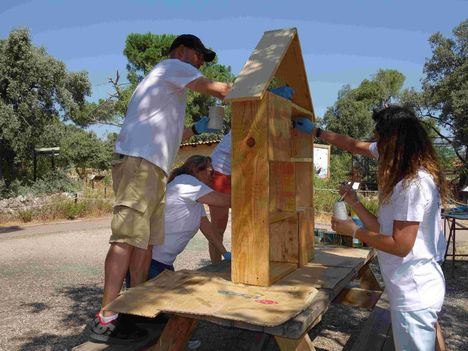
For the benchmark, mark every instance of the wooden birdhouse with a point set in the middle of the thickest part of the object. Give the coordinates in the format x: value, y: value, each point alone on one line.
x: 272, y: 164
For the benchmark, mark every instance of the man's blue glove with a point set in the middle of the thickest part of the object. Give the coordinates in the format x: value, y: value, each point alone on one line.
x: 227, y: 256
x: 202, y: 126
x: 286, y: 92
x: 304, y: 125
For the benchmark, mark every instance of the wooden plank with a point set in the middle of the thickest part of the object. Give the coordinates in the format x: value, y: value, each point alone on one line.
x: 250, y: 195
x: 376, y: 330
x: 279, y: 270
x: 358, y: 297
x: 298, y: 111
x: 302, y: 344
x: 306, y: 235
x: 300, y: 324
x: 367, y: 279
x: 282, y: 187
x: 284, y: 241
x: 304, y: 185
x: 279, y: 216
x: 440, y: 342
x: 175, y: 335
x: 292, y: 72
x: 279, y: 128
x: 301, y: 159
x: 258, y: 71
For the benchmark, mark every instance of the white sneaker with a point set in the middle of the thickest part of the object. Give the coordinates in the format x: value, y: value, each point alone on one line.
x: 193, y: 344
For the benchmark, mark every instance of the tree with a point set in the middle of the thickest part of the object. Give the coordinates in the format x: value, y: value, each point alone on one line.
x: 84, y: 150
x: 352, y: 113
x: 36, y: 91
x: 444, y: 96
x: 143, y: 52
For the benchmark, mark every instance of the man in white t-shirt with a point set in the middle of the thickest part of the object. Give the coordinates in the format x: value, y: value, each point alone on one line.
x: 145, y: 150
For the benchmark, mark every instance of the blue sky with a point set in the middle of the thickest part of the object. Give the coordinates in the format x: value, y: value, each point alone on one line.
x: 343, y: 42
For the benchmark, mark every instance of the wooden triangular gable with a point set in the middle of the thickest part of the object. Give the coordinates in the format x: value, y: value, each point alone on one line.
x: 278, y: 54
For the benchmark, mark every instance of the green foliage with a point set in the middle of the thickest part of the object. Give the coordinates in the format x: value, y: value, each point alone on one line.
x: 446, y: 86
x: 84, y: 150
x: 36, y: 91
x: 51, y: 182
x: 444, y: 98
x: 352, y: 113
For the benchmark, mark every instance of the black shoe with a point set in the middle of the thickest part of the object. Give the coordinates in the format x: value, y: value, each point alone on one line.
x: 160, y: 319
x: 119, y: 331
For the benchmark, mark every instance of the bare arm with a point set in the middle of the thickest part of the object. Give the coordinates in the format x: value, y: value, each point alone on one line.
x: 399, y: 243
x: 346, y: 143
x: 206, y: 86
x: 350, y: 197
x: 216, y: 198
x: 212, y: 234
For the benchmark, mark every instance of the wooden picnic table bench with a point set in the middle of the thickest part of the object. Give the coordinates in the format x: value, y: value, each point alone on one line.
x: 345, y: 263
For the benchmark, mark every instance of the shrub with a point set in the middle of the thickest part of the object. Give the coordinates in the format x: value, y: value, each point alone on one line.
x: 26, y: 215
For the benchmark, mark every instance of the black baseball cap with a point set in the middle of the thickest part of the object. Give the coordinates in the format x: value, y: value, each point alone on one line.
x: 193, y: 42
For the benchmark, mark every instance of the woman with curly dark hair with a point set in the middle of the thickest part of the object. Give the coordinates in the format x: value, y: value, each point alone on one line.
x: 407, y: 230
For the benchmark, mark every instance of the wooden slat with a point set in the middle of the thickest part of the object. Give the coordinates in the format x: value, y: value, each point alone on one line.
x: 367, y: 279
x: 304, y: 184
x: 377, y: 329
x: 358, y: 297
x: 175, y: 335
x: 292, y: 72
x: 302, y: 159
x: 298, y: 111
x: 306, y: 235
x: 279, y: 128
x: 279, y: 216
x: 302, y: 344
x: 284, y: 241
x: 282, y: 187
x: 260, y: 68
x: 250, y: 195
x: 279, y: 270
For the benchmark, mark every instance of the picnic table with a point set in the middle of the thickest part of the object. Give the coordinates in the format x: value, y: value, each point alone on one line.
x: 332, y: 269
x: 454, y: 219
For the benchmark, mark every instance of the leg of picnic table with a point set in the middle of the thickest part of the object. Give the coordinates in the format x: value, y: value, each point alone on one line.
x: 302, y: 344
x: 440, y: 342
x: 175, y: 335
x: 367, y: 279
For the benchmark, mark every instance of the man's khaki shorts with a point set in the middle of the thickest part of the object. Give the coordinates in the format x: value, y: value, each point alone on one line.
x: 140, y: 190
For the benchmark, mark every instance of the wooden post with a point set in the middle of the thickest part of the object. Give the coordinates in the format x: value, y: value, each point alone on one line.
x: 302, y: 344
x: 175, y: 335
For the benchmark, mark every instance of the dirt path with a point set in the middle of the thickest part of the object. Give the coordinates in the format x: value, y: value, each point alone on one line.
x: 51, y: 286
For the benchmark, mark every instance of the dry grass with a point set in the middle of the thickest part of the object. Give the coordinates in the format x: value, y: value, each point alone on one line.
x: 90, y: 204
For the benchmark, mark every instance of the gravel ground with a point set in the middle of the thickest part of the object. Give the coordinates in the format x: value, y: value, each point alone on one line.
x: 51, y: 286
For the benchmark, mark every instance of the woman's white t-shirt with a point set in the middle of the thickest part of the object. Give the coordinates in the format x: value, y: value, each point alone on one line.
x: 415, y: 281
x: 154, y: 122
x: 221, y: 156
x: 182, y: 216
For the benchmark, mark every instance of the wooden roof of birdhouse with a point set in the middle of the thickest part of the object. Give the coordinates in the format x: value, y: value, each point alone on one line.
x: 277, y: 55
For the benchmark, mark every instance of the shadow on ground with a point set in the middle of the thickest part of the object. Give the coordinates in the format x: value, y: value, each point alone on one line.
x: 10, y: 229
x: 85, y: 301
